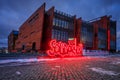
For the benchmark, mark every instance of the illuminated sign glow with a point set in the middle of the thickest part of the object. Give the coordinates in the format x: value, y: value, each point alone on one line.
x: 62, y: 49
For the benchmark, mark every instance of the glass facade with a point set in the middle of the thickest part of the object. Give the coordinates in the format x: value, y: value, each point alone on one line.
x: 112, y: 35
x: 63, y: 29
x: 61, y: 23
x: 112, y: 44
x: 87, y: 34
x: 63, y: 26
x: 59, y: 35
x: 112, y: 27
x: 102, y: 38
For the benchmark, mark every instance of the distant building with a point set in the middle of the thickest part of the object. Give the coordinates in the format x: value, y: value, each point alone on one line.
x: 3, y: 50
x: 11, y: 41
x: 43, y: 26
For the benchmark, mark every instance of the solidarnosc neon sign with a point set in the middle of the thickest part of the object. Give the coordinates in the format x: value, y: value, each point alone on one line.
x: 62, y: 49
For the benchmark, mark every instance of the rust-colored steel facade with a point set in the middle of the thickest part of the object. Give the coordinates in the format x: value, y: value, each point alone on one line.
x: 43, y: 26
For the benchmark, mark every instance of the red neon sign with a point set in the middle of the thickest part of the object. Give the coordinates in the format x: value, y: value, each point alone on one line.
x: 58, y: 48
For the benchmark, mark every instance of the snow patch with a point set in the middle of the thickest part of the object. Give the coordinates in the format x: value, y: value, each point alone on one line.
x: 17, y: 60
x: 53, y: 68
x: 87, y: 66
x: 103, y: 71
x: 18, y: 72
x: 116, y: 63
x: 25, y: 60
x: 57, y: 66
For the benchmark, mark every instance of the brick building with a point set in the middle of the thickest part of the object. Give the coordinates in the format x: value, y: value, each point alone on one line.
x: 11, y: 40
x: 43, y: 26
x: 98, y: 33
x: 104, y: 33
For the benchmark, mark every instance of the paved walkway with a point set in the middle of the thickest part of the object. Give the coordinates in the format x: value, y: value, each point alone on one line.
x: 80, y: 68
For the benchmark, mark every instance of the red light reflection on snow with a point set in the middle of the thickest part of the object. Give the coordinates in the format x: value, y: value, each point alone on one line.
x: 58, y: 48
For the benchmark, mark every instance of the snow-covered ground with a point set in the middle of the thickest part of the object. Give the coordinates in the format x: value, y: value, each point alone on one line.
x: 51, y: 59
x: 103, y: 71
x: 95, y: 53
x: 21, y: 61
x: 26, y: 60
x: 116, y: 62
x: 18, y: 62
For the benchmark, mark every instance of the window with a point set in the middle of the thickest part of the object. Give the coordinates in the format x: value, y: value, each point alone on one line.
x: 67, y: 25
x: 112, y: 31
x: 53, y: 33
x: 62, y: 35
x: 58, y: 35
x: 112, y: 45
x: 59, y: 22
x: 102, y: 34
x: 63, y: 24
x: 56, y: 21
x: 65, y: 36
x: 25, y: 36
x: 33, y: 18
x: 102, y: 43
x: 32, y: 32
x: 53, y: 21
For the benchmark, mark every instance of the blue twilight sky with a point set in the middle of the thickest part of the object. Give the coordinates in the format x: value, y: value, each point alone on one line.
x: 14, y: 12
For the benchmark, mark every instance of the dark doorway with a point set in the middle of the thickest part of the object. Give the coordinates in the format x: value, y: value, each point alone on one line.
x: 34, y: 46
x: 23, y: 47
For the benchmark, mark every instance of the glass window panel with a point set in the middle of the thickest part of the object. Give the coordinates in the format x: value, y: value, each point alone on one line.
x: 59, y: 23
x: 55, y: 34
x: 52, y: 33
x: 58, y: 35
x: 65, y: 24
x: 53, y: 21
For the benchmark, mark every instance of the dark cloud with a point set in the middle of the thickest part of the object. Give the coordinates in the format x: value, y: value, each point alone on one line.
x: 14, y: 12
